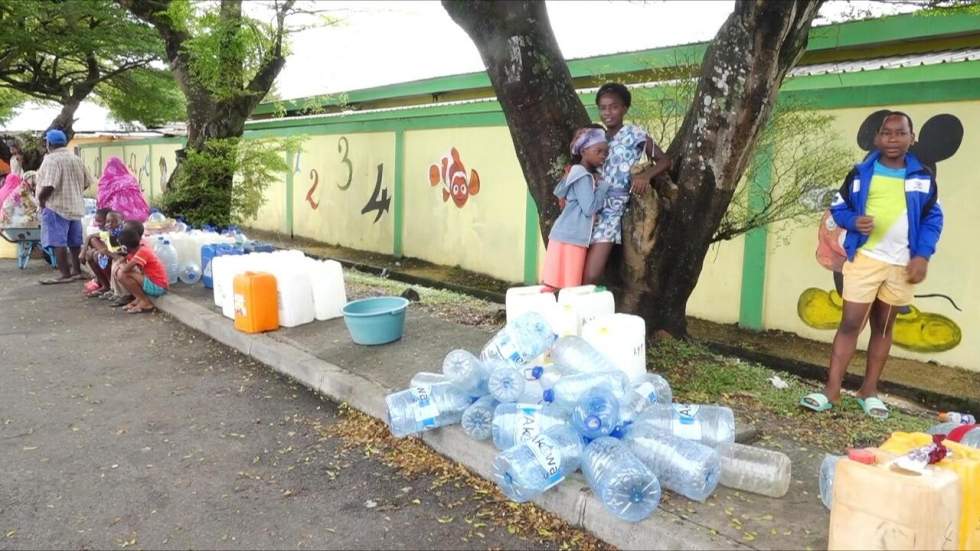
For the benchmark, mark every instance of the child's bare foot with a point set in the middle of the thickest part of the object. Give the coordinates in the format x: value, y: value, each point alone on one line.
x: 139, y: 307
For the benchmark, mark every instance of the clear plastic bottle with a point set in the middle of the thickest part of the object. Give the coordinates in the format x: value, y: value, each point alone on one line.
x: 465, y: 371
x: 521, y: 340
x: 477, y: 419
x: 168, y: 257
x: 711, y: 425
x: 423, y: 408
x: 688, y: 468
x: 625, y: 486
x: 971, y: 438
x: 427, y: 379
x: 569, y: 389
x: 526, y: 471
x: 756, y: 470
x: 942, y: 428
x: 655, y: 389
x: 515, y: 424
x: 827, y: 469
x: 190, y: 273
x: 506, y: 382
x: 596, y: 414
x: 575, y: 355
x: 957, y: 417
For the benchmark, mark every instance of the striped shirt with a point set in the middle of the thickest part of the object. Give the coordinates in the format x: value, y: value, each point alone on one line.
x: 65, y: 172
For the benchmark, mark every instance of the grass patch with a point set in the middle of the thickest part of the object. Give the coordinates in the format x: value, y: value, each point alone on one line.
x: 698, y: 375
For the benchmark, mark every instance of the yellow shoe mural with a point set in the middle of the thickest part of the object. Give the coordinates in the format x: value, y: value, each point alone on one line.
x: 917, y: 331
x: 820, y: 309
x: 925, y: 331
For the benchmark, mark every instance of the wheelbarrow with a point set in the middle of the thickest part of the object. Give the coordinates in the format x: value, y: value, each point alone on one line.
x: 26, y: 240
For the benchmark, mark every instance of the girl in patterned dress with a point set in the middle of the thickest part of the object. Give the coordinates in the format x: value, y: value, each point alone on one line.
x: 627, y: 144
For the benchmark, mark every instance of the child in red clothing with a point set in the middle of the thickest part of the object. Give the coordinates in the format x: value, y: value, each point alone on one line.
x: 142, y: 274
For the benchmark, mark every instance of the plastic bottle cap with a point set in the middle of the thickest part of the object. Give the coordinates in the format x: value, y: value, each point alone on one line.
x: 862, y: 455
x: 537, y: 371
x: 600, y: 288
x: 592, y: 422
x: 549, y: 395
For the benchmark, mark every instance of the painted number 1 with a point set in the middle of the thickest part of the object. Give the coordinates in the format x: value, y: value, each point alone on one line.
x: 344, y: 147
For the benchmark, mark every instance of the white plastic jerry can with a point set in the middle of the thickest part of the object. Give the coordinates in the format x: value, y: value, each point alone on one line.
x: 329, y: 294
x: 622, y: 338
x: 536, y: 298
x: 584, y: 303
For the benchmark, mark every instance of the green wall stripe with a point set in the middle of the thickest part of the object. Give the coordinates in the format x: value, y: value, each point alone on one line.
x: 290, y: 160
x: 399, y: 215
x: 752, y: 297
x: 531, y: 234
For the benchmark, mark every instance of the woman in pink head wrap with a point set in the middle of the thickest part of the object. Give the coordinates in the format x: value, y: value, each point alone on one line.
x: 120, y: 191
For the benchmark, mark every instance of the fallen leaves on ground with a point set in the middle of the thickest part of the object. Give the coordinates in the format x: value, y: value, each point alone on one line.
x: 412, y: 458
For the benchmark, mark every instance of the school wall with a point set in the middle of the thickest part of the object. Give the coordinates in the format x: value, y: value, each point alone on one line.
x: 366, y: 181
x: 954, y: 271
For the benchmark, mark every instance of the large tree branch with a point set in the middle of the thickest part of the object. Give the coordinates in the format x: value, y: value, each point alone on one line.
x: 533, y: 85
x: 263, y: 79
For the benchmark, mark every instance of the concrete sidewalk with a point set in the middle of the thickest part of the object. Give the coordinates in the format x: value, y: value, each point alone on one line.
x: 322, y: 356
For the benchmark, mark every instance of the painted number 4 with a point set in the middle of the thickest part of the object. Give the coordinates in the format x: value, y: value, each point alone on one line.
x: 379, y: 200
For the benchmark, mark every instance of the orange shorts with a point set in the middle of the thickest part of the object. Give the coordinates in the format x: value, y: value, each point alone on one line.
x: 867, y: 279
x: 564, y: 265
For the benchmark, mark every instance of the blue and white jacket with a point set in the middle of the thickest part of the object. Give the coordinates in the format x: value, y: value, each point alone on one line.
x: 921, y: 199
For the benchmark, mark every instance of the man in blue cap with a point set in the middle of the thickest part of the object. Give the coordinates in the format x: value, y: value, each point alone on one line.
x: 61, y: 180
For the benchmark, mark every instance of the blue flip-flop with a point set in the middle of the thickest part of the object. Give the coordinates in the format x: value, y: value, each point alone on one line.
x: 816, y: 401
x: 872, y: 404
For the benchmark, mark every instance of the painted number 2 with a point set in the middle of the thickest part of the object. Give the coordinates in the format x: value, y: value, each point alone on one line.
x: 344, y: 147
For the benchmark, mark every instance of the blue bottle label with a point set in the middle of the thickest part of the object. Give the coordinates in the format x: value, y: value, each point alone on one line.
x: 548, y: 455
x: 648, y: 391
x: 527, y: 425
x: 686, y: 423
x: 425, y: 411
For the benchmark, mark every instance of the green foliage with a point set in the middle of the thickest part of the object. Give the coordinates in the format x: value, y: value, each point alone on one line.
x: 697, y: 375
x: 59, y: 51
x: 806, y: 155
x: 199, y: 193
x: 225, y: 51
x: 10, y: 100
x: 144, y: 95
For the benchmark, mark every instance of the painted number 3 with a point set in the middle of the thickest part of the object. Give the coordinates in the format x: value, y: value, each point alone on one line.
x: 344, y: 147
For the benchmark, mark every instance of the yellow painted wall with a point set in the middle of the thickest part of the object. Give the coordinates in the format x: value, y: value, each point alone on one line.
x: 138, y: 161
x: 272, y: 213
x: 953, y: 271
x: 485, y: 235
x: 717, y: 295
x: 161, y: 167
x: 337, y: 174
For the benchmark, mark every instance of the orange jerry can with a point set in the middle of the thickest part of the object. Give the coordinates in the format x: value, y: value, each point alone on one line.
x: 256, y: 302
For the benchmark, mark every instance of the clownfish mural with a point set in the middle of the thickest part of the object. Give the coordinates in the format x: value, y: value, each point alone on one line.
x: 451, y: 173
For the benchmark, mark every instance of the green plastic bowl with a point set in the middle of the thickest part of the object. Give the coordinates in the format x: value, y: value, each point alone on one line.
x: 377, y: 320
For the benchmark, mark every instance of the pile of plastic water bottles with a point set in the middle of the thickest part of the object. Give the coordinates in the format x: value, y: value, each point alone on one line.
x: 555, y: 405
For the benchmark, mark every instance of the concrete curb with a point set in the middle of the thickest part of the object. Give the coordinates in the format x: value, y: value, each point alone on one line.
x: 572, y: 500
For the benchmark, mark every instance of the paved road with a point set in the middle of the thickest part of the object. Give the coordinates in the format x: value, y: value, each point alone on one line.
x: 122, y: 431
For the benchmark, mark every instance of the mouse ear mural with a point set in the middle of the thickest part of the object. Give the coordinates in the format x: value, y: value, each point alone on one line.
x: 937, y: 140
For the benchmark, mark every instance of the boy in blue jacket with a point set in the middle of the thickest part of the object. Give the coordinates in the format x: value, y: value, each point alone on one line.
x: 889, y: 207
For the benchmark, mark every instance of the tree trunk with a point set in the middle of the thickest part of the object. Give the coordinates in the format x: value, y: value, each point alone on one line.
x: 211, y: 119
x: 66, y: 117
x: 664, y: 244
x: 533, y: 86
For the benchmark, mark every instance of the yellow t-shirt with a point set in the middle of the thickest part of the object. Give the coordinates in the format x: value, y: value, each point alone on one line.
x: 889, y: 240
